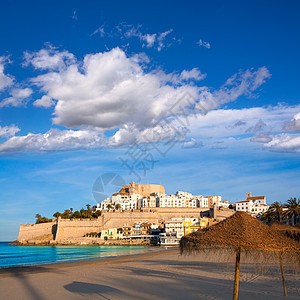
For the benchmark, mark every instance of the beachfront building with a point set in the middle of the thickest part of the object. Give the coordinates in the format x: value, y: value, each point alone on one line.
x: 194, y: 224
x: 174, y: 231
x: 178, y: 227
x: 112, y: 233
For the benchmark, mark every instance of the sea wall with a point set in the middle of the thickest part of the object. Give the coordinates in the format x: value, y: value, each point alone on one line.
x: 37, y: 231
x: 76, y: 228
x: 65, y: 229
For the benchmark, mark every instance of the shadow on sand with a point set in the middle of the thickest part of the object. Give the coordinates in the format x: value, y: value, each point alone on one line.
x: 85, y: 288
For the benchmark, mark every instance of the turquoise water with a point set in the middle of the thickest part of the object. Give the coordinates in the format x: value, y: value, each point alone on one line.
x: 11, y: 255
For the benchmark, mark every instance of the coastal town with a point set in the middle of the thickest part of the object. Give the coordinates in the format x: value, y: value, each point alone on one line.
x: 142, y: 214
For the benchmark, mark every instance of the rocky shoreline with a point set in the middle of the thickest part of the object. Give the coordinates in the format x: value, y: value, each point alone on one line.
x: 83, y: 242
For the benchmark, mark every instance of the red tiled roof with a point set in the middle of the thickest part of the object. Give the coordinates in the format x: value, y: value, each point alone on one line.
x: 256, y: 198
x: 243, y: 201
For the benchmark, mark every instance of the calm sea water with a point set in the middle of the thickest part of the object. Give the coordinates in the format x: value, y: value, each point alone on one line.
x: 35, y: 255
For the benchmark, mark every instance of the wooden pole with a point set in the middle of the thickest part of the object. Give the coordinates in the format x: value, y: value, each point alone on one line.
x: 237, y: 274
x: 282, y: 275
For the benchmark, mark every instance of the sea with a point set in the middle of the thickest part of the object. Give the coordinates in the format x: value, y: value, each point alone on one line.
x: 12, y: 255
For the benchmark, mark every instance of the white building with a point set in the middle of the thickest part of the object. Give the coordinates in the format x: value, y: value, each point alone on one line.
x: 124, y: 202
x: 147, y: 201
x: 202, y: 201
x: 174, y: 231
x: 253, y: 205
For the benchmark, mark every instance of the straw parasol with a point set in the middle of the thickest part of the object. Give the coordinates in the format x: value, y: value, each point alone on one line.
x: 288, y: 230
x: 241, y: 232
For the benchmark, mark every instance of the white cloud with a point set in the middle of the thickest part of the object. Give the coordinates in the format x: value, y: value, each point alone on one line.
x: 261, y: 137
x: 149, y: 40
x: 192, y: 74
x: 19, y: 97
x: 294, y: 124
x: 204, y: 44
x: 53, y: 140
x: 257, y: 127
x: 45, y: 101
x: 111, y: 90
x: 6, y: 80
x: 243, y: 83
x: 49, y: 58
x: 8, y: 131
x: 284, y: 143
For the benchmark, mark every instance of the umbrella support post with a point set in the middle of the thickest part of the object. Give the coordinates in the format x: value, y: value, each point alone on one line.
x: 282, y: 275
x: 237, y: 274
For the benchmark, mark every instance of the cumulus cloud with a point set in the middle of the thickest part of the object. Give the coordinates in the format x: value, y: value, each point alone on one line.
x: 19, y: 97
x: 6, y: 80
x: 294, y: 124
x: 284, y: 143
x: 53, y: 140
x: 8, y: 131
x: 204, y: 44
x: 48, y: 59
x: 111, y: 90
x: 45, y: 102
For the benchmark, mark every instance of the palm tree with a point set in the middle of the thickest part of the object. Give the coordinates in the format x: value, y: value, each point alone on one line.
x: 57, y: 214
x: 268, y: 216
x: 38, y: 216
x: 293, y: 210
x: 71, y: 210
x: 88, y: 206
x: 276, y: 207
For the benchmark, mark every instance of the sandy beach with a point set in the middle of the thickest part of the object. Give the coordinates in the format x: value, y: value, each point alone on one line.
x: 156, y: 275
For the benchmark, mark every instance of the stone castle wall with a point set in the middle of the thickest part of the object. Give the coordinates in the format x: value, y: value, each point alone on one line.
x: 36, y: 231
x: 76, y: 228
x: 67, y: 229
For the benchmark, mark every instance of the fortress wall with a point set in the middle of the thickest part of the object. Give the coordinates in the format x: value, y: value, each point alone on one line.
x: 33, y: 231
x: 68, y: 229
x: 76, y: 228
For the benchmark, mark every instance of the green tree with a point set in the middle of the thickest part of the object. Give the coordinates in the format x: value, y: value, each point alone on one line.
x: 118, y: 206
x: 276, y: 208
x: 66, y: 214
x: 97, y: 213
x: 109, y: 206
x: 57, y: 214
x: 268, y: 216
x: 94, y: 208
x: 76, y: 215
x: 293, y: 209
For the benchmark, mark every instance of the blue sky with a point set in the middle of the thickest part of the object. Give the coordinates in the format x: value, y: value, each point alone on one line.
x: 198, y: 96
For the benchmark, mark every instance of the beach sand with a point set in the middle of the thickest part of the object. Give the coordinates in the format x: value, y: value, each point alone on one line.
x: 155, y: 275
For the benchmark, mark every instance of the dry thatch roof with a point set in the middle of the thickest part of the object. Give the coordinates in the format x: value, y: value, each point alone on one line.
x: 290, y: 231
x: 240, y: 231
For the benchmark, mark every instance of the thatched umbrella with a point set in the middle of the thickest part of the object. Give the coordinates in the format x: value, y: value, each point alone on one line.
x: 290, y: 231
x: 241, y: 232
